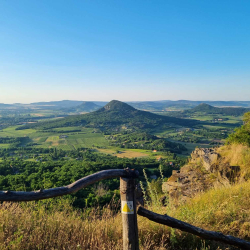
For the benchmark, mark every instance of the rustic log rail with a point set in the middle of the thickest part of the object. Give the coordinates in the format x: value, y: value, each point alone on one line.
x: 127, y: 186
x: 128, y: 202
x: 183, y: 226
x: 71, y: 188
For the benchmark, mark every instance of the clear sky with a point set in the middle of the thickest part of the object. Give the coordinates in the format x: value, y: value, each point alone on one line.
x: 129, y: 50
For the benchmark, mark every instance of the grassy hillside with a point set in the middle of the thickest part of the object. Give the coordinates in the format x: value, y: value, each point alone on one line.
x: 55, y: 225
x: 237, y: 155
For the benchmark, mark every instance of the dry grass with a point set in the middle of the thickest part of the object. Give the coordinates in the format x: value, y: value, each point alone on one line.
x: 131, y: 154
x: 33, y: 226
x: 124, y: 153
x: 224, y: 209
x: 54, y: 224
x: 44, y: 226
x: 237, y: 155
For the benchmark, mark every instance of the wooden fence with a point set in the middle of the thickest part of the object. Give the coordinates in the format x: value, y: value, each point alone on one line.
x: 128, y: 208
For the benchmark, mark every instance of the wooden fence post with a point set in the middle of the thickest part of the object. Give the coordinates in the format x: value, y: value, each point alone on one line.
x: 129, y: 215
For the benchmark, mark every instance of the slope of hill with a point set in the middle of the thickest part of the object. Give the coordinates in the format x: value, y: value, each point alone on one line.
x: 114, y: 114
x: 203, y: 107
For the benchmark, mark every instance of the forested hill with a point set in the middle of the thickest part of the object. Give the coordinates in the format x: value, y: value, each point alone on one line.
x: 203, y: 107
x: 114, y: 114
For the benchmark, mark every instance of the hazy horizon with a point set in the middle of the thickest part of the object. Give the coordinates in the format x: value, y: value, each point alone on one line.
x: 134, y: 101
x: 129, y: 51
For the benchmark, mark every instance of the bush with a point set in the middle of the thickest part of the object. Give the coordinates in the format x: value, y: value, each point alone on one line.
x: 242, y: 134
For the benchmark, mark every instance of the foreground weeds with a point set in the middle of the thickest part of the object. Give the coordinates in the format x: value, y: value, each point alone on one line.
x: 54, y: 224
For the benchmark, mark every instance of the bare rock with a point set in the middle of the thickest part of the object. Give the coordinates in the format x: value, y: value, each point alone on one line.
x: 208, y: 157
x: 204, y: 171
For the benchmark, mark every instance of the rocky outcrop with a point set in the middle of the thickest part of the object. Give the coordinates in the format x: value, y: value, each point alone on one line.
x: 208, y: 157
x: 204, y: 170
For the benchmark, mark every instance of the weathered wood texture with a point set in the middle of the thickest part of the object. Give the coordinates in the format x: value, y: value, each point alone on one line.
x: 208, y: 235
x: 71, y: 188
x: 129, y: 217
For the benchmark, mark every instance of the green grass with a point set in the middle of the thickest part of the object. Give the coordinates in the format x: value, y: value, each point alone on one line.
x: 42, y: 139
x: 87, y: 140
x: 203, y: 117
x: 225, y: 209
x: 84, y: 139
x: 11, y: 132
x: 53, y: 138
x: 74, y: 140
x: 73, y: 128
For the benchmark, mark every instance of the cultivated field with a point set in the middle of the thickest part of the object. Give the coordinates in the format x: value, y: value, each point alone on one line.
x: 67, y: 140
x: 126, y: 153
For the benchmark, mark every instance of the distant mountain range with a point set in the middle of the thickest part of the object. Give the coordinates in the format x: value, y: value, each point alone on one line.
x: 145, y: 105
x: 184, y: 104
x: 84, y: 107
x: 114, y: 115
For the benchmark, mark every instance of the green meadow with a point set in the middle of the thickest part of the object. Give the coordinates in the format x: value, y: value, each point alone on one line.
x: 12, y: 132
x: 67, y: 140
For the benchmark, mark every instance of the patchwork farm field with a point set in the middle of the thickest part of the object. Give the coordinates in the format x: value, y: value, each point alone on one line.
x: 71, y: 138
x: 62, y: 138
x: 211, y: 131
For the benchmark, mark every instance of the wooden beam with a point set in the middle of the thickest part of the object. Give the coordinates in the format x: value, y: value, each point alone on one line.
x: 129, y: 216
x: 69, y: 189
x: 183, y: 226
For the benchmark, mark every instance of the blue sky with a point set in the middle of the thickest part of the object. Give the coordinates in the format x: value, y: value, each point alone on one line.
x: 124, y: 50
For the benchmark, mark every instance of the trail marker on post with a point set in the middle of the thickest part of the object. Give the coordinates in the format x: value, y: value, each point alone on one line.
x: 129, y: 216
x: 127, y: 207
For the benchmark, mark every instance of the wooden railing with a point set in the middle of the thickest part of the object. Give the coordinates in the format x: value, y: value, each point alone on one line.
x: 183, y: 226
x: 128, y: 208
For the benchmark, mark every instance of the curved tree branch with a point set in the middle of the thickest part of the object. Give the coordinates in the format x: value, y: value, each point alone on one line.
x: 208, y: 235
x: 71, y: 188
